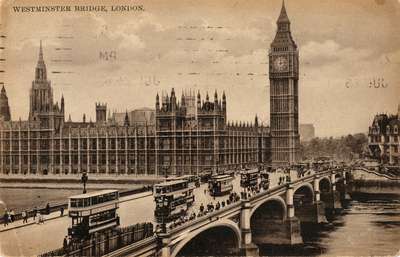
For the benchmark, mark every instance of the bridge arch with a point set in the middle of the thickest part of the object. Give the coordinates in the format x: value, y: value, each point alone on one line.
x: 325, y: 185
x: 303, y: 194
x: 226, y: 224
x: 266, y: 218
x: 275, y: 199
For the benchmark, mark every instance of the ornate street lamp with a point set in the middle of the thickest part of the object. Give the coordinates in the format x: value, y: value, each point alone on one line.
x: 84, y: 180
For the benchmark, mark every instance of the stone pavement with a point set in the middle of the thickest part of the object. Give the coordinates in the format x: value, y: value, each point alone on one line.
x: 19, y: 223
x: 56, y: 214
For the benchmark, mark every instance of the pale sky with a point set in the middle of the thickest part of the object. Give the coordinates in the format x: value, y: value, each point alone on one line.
x: 207, y: 45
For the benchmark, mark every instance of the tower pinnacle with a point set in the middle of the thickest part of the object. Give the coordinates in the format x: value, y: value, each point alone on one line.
x: 41, y: 66
x: 283, y: 17
x: 40, y: 51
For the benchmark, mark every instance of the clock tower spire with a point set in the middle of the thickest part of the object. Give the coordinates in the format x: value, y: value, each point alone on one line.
x: 284, y: 76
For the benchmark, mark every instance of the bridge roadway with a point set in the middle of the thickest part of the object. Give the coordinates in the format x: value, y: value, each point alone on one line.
x: 34, y: 239
x: 248, y: 223
x: 269, y: 217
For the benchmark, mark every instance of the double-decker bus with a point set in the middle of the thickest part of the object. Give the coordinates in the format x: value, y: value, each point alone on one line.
x: 173, y: 198
x: 249, y: 178
x: 264, y: 179
x: 230, y: 173
x: 93, y: 212
x: 220, y: 185
x: 192, y: 179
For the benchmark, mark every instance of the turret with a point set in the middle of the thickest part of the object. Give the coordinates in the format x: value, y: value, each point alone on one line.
x: 198, y: 100
x: 5, y: 114
x: 157, y: 102
x: 126, y: 120
x: 173, y: 100
x: 183, y: 103
x: 224, y: 104
x: 223, y: 101
x: 398, y: 111
x: 101, y: 113
x: 62, y: 104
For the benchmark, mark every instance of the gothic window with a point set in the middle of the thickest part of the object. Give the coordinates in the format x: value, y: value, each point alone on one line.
x: 93, y: 157
x: 112, y: 144
x: 103, y: 159
x: 132, y: 143
x: 66, y: 159
x: 396, y: 129
x: 93, y: 143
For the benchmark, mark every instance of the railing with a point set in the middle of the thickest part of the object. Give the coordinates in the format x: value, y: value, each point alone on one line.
x: 379, y: 174
x: 105, y: 242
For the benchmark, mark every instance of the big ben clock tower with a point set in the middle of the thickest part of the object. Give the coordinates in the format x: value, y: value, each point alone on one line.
x: 284, y: 111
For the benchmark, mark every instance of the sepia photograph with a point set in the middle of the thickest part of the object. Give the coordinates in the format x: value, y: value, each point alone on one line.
x: 166, y: 128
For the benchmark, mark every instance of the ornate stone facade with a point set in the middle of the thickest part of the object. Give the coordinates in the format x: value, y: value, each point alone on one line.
x: 284, y: 110
x: 184, y: 139
x: 383, y: 138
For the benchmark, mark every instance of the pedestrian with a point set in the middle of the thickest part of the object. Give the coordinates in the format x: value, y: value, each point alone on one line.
x: 39, y: 216
x: 42, y: 219
x: 62, y: 211
x: 201, y: 208
x: 24, y: 217
x: 12, y: 215
x: 34, y: 213
x: 47, y: 208
x: 5, y: 218
x: 65, y: 242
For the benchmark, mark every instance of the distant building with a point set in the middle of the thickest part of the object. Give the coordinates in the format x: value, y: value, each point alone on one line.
x: 307, y: 132
x: 139, y: 117
x: 383, y: 138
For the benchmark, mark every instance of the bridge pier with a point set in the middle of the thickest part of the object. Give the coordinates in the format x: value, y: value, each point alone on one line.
x: 344, y: 194
x: 165, y: 249
x: 279, y: 231
x: 292, y: 223
x: 332, y: 199
x: 248, y: 248
x: 313, y: 212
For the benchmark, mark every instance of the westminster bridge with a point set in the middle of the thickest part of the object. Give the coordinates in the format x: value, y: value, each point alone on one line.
x: 269, y: 217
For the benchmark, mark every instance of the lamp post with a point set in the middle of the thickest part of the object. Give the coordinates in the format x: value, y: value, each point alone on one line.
x: 84, y: 180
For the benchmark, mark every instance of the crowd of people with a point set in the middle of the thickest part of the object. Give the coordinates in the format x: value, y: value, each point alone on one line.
x: 202, y: 211
x: 247, y: 192
x: 36, y: 215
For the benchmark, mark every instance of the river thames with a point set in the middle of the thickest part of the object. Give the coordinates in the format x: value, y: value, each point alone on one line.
x: 365, y: 228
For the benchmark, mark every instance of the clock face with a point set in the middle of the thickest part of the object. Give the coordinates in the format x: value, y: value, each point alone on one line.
x: 281, y: 63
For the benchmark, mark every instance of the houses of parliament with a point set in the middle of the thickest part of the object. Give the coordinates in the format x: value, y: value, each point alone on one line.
x: 190, y: 135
